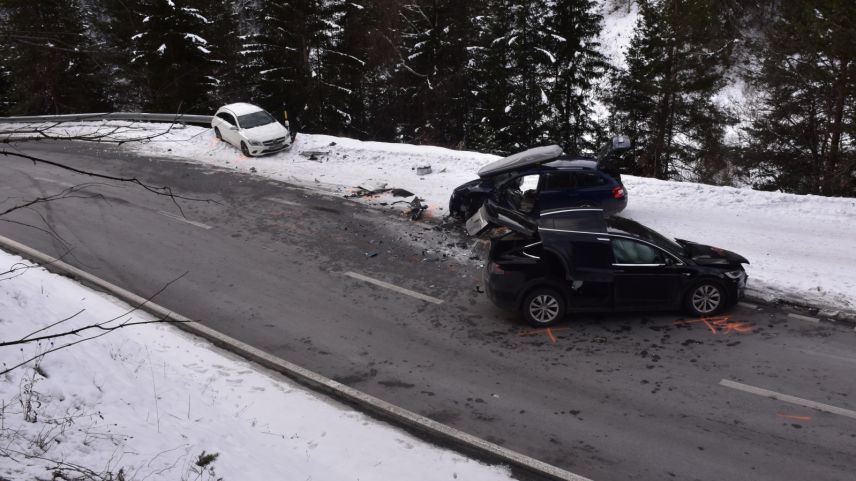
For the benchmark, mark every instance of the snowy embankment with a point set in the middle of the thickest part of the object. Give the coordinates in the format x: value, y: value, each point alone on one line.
x: 149, y: 399
x: 800, y: 247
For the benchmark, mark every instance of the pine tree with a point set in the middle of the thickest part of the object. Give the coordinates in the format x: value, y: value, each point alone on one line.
x: 432, y: 78
x: 676, y: 63
x: 172, y: 58
x: 805, y: 135
x: 511, y: 108
x: 576, y: 69
x: 50, y: 64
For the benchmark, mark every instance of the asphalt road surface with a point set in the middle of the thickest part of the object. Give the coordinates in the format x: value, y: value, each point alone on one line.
x: 642, y: 396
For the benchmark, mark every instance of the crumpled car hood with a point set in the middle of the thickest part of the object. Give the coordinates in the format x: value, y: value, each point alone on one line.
x: 709, y: 255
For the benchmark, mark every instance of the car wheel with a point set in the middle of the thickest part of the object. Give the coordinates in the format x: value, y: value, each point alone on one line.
x: 218, y: 134
x: 705, y: 299
x: 544, y: 307
x: 244, y: 149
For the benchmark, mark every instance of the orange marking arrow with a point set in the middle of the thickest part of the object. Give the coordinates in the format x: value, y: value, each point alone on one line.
x: 794, y: 416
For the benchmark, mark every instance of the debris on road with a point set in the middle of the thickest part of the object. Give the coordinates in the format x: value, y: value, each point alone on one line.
x: 417, y: 208
x: 314, y: 155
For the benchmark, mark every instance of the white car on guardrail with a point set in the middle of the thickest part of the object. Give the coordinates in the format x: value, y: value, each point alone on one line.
x: 251, y: 129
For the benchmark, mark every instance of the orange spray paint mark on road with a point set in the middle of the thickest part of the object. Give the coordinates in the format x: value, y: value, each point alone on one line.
x: 794, y: 417
x: 718, y: 325
x: 548, y: 331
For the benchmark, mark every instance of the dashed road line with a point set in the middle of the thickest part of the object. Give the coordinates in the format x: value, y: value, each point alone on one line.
x: 283, y: 201
x: 801, y: 317
x: 182, y: 219
x: 395, y: 288
x: 54, y: 181
x: 788, y: 398
x: 748, y: 305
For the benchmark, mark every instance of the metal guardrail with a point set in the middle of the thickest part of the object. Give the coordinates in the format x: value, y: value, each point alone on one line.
x: 130, y: 116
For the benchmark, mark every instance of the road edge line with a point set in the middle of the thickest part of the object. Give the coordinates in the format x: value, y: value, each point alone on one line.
x: 383, y: 410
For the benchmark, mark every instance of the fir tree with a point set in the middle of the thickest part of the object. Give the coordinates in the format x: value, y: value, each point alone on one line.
x: 575, y: 73
x: 432, y: 77
x: 511, y: 109
x: 805, y: 135
x: 50, y: 64
x: 172, y: 58
x: 676, y: 63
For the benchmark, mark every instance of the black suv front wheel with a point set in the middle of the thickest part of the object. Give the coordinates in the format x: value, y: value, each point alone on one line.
x: 544, y: 307
x: 707, y: 298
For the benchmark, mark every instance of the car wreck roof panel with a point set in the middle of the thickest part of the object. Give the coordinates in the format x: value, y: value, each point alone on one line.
x: 521, y: 159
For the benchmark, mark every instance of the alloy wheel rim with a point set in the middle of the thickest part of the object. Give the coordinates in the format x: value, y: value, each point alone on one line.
x: 706, y: 298
x: 544, y: 308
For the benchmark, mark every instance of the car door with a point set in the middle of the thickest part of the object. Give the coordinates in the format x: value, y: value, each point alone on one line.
x: 592, y: 189
x: 645, y: 277
x: 230, y: 129
x: 558, y: 190
x: 592, y: 277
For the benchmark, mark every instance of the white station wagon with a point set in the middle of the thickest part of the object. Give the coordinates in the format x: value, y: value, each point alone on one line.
x: 250, y: 128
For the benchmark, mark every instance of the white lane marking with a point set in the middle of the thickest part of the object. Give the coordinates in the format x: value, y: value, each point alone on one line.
x: 395, y: 288
x: 829, y: 356
x: 788, y: 399
x: 804, y: 318
x: 182, y: 219
x: 748, y: 305
x: 283, y: 201
x: 53, y: 181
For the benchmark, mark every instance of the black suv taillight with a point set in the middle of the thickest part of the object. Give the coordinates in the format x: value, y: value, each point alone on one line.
x: 619, y: 192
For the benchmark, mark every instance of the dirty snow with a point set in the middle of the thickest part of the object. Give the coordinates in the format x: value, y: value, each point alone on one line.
x: 800, y: 247
x: 149, y: 399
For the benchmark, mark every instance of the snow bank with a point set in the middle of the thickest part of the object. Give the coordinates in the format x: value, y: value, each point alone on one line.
x: 149, y: 399
x: 800, y: 247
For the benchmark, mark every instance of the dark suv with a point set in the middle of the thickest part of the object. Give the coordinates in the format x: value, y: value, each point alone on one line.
x: 544, y: 178
x: 580, y: 260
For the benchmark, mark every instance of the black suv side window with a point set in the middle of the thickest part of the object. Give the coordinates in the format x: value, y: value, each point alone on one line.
x: 628, y: 251
x: 228, y: 118
x: 591, y: 255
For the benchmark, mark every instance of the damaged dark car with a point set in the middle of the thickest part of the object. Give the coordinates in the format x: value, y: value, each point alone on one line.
x: 545, y: 178
x: 579, y: 260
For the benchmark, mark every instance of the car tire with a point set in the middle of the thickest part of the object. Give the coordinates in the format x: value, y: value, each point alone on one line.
x: 218, y: 134
x: 543, y: 307
x: 706, y: 298
x: 244, y: 149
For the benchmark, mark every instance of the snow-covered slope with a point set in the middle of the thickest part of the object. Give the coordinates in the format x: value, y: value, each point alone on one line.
x: 149, y: 399
x: 800, y: 247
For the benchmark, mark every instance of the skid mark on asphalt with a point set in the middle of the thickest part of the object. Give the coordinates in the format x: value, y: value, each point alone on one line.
x: 788, y: 398
x: 721, y: 325
x: 548, y: 331
x: 283, y: 201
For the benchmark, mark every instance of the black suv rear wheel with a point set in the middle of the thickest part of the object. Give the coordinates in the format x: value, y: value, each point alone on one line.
x: 543, y: 307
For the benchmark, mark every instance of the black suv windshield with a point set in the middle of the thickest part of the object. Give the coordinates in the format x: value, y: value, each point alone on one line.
x: 631, y: 227
x: 255, y: 119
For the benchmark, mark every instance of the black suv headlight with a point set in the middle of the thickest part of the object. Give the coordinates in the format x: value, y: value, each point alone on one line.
x: 735, y: 275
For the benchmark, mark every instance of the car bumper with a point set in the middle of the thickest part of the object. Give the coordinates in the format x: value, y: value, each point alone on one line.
x: 502, y: 289
x: 265, y: 149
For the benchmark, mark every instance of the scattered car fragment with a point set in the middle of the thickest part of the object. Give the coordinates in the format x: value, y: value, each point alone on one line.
x: 251, y: 129
x: 544, y: 178
x: 578, y: 260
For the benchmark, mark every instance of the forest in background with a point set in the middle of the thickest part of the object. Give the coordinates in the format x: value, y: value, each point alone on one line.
x: 495, y: 76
